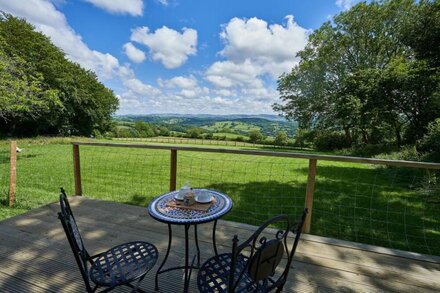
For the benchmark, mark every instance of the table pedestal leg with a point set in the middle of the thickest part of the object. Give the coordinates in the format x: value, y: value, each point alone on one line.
x: 213, y: 237
x: 186, y: 284
x: 197, y: 244
x: 170, y: 237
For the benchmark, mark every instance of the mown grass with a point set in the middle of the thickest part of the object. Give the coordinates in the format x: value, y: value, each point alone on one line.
x: 363, y: 203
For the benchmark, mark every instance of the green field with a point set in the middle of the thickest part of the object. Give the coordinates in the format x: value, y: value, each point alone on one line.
x: 238, y: 127
x: 230, y: 135
x: 373, y: 205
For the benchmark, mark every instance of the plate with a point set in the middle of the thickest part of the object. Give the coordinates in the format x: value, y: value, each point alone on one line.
x: 178, y: 197
x: 204, y: 201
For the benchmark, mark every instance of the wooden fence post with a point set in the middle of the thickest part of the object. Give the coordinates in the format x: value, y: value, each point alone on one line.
x: 173, y: 170
x: 77, y: 170
x: 13, y: 174
x: 309, y: 194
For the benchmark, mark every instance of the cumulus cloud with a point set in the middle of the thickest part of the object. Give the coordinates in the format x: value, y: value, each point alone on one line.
x: 133, y: 53
x: 272, y: 47
x: 166, y: 45
x: 51, y: 22
x: 132, y: 7
x: 138, y: 87
x: 179, y: 81
x: 226, y: 74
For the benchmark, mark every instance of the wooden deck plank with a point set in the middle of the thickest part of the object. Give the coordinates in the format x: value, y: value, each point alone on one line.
x: 34, y: 250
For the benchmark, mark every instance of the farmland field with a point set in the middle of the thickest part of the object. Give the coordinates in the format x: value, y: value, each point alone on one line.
x: 376, y: 205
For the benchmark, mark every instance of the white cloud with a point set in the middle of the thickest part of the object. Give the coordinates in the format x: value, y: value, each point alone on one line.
x: 51, y: 22
x: 345, y: 4
x: 179, y: 81
x: 166, y: 45
x: 226, y: 74
x: 137, y: 87
x: 133, y: 53
x: 132, y: 7
x: 272, y: 47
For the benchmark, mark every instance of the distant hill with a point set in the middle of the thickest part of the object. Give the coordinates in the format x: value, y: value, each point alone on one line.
x: 238, y: 124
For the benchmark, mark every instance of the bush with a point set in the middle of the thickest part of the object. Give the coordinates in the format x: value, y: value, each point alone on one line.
x: 329, y: 141
x: 430, y: 143
x: 255, y: 136
x: 303, y: 138
x: 406, y: 153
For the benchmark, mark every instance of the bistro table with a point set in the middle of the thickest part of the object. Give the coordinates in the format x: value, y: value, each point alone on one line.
x: 158, y: 209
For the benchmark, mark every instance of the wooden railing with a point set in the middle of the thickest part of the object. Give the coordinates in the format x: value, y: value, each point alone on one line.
x: 312, y: 158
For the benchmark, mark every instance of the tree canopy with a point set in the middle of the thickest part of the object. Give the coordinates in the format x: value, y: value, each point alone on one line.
x: 372, y: 73
x: 42, y: 92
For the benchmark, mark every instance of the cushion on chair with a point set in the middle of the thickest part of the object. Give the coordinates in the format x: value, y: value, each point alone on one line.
x: 123, y: 263
x: 214, y: 275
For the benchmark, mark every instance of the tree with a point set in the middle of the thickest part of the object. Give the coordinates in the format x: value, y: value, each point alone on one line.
x: 75, y: 102
x: 194, y: 132
x: 24, y: 99
x: 367, y: 74
x: 281, y: 138
x: 144, y: 129
x: 255, y: 136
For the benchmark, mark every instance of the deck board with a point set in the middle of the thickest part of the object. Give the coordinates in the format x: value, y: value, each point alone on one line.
x: 35, y: 256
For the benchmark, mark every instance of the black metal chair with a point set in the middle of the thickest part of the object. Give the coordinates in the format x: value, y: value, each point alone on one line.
x: 251, y: 267
x: 120, y: 265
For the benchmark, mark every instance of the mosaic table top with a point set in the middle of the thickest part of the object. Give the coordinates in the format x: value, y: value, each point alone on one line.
x: 159, y: 210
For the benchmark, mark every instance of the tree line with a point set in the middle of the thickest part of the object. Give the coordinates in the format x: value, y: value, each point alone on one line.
x: 369, y: 76
x: 42, y: 92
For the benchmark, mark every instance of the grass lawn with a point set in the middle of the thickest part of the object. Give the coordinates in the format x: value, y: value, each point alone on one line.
x: 230, y: 135
x: 363, y: 203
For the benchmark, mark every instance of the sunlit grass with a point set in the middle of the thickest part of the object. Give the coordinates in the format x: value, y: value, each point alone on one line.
x: 356, y: 202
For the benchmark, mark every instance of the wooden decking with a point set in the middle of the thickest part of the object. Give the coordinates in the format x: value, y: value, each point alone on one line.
x: 35, y: 256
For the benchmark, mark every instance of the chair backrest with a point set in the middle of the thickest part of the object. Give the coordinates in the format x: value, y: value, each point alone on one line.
x: 67, y: 219
x: 264, y: 255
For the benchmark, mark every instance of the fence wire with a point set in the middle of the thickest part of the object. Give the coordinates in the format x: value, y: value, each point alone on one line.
x: 126, y: 175
x: 41, y: 170
x: 4, y: 173
x: 390, y: 207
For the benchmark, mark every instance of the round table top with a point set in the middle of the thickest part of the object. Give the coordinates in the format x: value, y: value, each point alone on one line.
x: 159, y: 209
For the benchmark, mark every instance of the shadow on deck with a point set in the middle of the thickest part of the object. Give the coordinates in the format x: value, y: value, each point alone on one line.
x: 35, y: 255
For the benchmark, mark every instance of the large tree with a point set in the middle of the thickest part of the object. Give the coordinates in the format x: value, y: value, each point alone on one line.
x: 47, y: 93
x: 363, y: 73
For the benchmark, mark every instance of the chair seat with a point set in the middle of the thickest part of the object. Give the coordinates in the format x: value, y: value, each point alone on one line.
x: 214, y: 275
x: 123, y: 264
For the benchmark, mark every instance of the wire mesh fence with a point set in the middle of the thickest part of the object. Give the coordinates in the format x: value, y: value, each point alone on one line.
x: 390, y: 207
x: 41, y: 170
x: 378, y: 205
x: 132, y: 176
x: 4, y: 173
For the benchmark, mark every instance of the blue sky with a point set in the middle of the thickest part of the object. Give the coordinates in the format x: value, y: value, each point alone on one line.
x: 182, y: 56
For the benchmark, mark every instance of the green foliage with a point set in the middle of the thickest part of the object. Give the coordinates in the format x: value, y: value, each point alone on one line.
x: 329, y: 141
x: 406, y: 153
x: 303, y: 137
x: 44, y: 93
x: 255, y: 136
x: 373, y: 73
x: 430, y: 143
x: 194, y: 132
x: 281, y: 138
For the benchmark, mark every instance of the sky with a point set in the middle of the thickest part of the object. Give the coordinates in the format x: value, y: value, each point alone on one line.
x: 182, y: 56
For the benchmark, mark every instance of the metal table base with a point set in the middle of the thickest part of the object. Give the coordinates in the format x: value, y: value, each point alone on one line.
x: 187, y: 267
